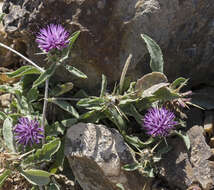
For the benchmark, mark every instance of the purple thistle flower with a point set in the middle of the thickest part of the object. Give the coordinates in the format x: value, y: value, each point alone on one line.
x: 28, y: 131
x: 159, y: 121
x: 54, y: 36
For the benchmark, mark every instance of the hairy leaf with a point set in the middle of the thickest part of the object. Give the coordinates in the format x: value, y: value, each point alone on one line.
x: 156, y: 62
x: 24, y: 70
x: 4, y: 176
x: 44, y: 76
x: 36, y: 177
x: 43, y: 154
x: 75, y: 72
x: 8, y: 134
x: 65, y: 106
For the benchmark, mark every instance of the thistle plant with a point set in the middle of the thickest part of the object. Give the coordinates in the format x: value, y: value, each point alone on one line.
x: 159, y: 122
x: 52, y: 37
x: 28, y: 132
x: 55, y: 43
x: 130, y: 104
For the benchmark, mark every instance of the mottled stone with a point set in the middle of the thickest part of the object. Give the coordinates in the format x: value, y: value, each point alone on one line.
x: 183, y: 168
x: 5, y: 100
x: 209, y: 124
x: 96, y: 155
x: 110, y: 31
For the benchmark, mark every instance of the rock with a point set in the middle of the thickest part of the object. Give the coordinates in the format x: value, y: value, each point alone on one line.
x: 6, y: 58
x: 96, y: 155
x: 5, y: 100
x: 183, y: 168
x: 209, y: 123
x: 110, y: 31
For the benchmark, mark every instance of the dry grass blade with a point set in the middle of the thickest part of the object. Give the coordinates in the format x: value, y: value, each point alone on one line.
x: 125, y: 68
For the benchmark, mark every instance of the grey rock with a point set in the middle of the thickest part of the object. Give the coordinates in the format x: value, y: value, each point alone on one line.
x: 110, y: 31
x: 96, y: 155
x: 183, y: 168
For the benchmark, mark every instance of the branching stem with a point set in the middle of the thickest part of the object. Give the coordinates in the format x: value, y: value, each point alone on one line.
x: 22, y: 56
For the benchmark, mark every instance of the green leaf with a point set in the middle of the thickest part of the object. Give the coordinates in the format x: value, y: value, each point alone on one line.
x: 58, y: 128
x: 8, y: 134
x: 177, y: 82
x: 24, y: 70
x: 165, y: 94
x: 135, y: 141
x: 44, y: 76
x: 75, y: 72
x: 59, y: 159
x: 73, y: 38
x: 156, y: 62
x: 43, y: 154
x: 3, y: 116
x: 131, y: 167
x: 113, y: 115
x: 120, y: 186
x: 62, y: 89
x: 32, y: 95
x: 92, y: 116
x: 66, y: 51
x: 129, y: 109
x: 91, y: 102
x: 4, y: 176
x: 185, y: 138
x: 36, y: 177
x: 131, y: 87
x: 68, y: 122
x: 65, y: 106
x: 104, y: 86
x: 53, y: 186
x: 2, y: 16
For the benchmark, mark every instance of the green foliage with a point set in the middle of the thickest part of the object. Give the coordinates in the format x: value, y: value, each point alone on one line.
x: 120, y: 186
x: 4, y: 176
x: 8, y: 134
x: 61, y: 89
x: 2, y: 16
x: 75, y: 71
x: 44, y: 76
x: 24, y: 70
x: 43, y: 154
x: 36, y: 177
x: 65, y: 106
x: 156, y: 62
x: 123, y: 108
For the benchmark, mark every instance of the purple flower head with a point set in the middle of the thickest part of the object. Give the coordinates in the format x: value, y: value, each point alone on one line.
x: 54, y: 36
x: 28, y: 131
x: 159, y: 121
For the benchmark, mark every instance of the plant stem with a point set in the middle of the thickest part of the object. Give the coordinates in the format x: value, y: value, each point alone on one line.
x: 44, y: 108
x: 22, y: 56
x: 71, y: 99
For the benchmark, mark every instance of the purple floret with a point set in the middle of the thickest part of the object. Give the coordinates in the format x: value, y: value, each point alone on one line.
x: 28, y: 132
x: 159, y: 121
x: 54, y: 36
